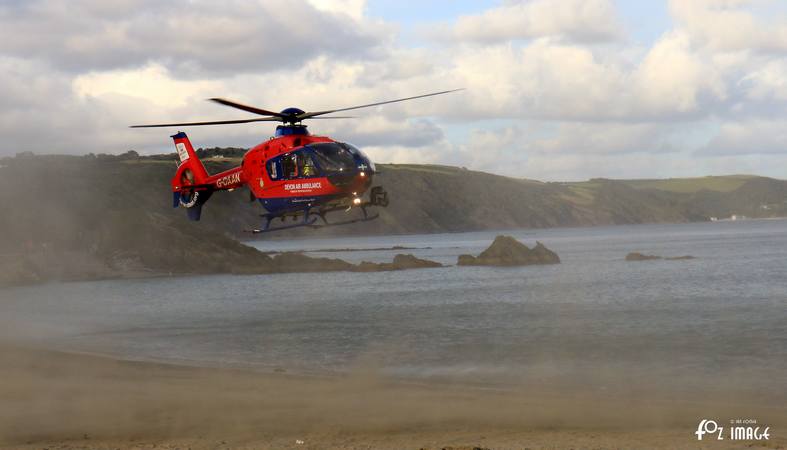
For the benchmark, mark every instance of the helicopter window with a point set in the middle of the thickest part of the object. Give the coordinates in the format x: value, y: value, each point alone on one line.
x: 333, y: 157
x: 293, y: 165
x: 306, y: 166
x: 273, y: 171
x: 289, y: 166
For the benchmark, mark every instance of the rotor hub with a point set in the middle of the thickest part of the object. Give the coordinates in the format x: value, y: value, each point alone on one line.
x: 292, y: 111
x: 290, y: 130
x: 291, y: 115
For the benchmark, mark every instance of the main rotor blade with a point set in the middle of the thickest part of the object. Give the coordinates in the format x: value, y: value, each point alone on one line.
x: 309, y: 115
x: 215, y: 122
x: 247, y: 108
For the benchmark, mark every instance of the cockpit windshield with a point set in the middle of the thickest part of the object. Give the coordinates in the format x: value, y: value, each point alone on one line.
x: 333, y: 157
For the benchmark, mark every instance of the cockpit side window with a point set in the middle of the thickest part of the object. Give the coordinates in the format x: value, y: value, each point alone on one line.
x: 289, y: 166
x: 273, y: 169
x: 333, y: 158
x: 306, y: 166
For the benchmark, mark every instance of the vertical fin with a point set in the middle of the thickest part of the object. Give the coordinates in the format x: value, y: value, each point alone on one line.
x: 188, y: 157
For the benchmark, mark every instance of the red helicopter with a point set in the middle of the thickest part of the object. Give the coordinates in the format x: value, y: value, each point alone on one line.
x: 294, y: 174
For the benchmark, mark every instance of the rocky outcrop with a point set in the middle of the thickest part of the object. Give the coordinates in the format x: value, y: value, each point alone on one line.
x: 507, y: 251
x: 400, y: 262
x: 298, y: 262
x: 636, y: 256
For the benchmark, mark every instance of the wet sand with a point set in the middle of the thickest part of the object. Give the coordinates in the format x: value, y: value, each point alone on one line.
x: 59, y: 400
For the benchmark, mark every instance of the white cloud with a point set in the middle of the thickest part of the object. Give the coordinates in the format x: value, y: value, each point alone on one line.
x: 575, y: 20
x: 191, y: 38
x: 493, y: 150
x: 547, y: 80
x: 673, y: 79
x: 750, y: 137
x: 352, y: 8
x: 380, y: 131
x: 766, y: 83
x: 607, y: 138
x: 409, y: 155
x: 153, y: 83
x: 726, y: 25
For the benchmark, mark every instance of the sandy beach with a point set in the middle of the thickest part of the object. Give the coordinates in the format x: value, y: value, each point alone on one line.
x: 68, y: 401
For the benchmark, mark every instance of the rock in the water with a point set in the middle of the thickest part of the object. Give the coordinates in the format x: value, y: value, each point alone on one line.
x: 507, y: 251
x: 465, y: 260
x: 298, y: 262
x: 408, y: 261
x: 400, y: 262
x: 637, y: 256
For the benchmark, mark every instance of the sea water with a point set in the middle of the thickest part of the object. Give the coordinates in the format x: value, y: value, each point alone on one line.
x: 720, y: 318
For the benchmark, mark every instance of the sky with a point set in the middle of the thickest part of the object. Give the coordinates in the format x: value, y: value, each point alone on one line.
x: 553, y: 89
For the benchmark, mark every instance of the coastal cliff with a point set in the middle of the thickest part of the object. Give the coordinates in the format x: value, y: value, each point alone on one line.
x: 104, y: 216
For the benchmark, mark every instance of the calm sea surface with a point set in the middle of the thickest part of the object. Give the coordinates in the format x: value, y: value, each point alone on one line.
x: 720, y: 318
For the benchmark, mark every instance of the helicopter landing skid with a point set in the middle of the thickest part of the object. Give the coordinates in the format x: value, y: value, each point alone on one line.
x: 309, y: 219
x: 366, y: 218
x: 377, y: 197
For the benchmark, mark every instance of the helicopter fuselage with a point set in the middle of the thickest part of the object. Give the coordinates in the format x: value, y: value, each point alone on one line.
x: 291, y: 172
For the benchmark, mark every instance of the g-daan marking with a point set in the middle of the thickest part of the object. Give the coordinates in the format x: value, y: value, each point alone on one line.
x: 228, y: 180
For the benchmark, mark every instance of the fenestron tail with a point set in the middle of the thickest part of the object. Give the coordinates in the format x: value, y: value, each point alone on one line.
x: 190, y: 186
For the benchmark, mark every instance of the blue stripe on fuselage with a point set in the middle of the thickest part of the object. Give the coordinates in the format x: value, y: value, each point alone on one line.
x: 287, y: 204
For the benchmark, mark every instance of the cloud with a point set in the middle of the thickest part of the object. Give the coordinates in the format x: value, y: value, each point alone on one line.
x: 381, y: 131
x: 524, y: 150
x: 607, y: 138
x: 436, y: 154
x: 573, y: 20
x: 767, y: 83
x: 752, y: 137
x: 552, y: 81
x: 191, y: 38
x: 352, y: 8
x: 492, y: 150
x: 154, y: 81
x: 726, y: 25
x: 673, y: 80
